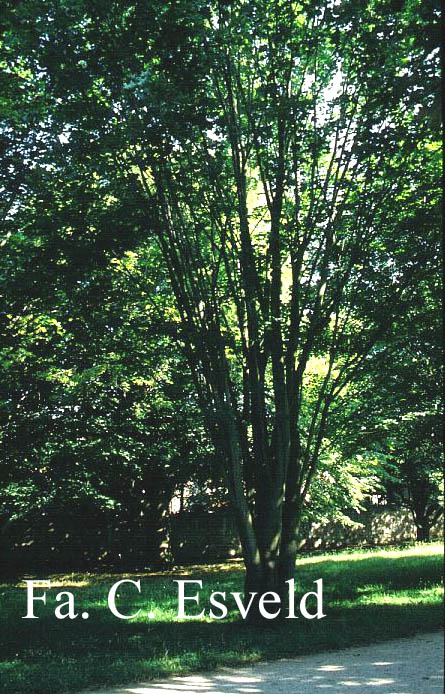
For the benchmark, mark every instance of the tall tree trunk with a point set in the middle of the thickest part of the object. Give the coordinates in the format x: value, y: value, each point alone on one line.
x: 156, y: 492
x: 270, y: 573
x: 155, y: 528
x: 423, y: 530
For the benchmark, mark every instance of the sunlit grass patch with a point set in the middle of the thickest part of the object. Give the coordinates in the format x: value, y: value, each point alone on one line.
x: 354, y: 555
x: 376, y: 595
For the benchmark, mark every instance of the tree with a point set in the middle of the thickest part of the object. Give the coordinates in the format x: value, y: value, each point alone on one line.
x: 416, y: 473
x: 274, y: 222
x: 394, y: 412
x: 274, y: 150
x: 97, y: 414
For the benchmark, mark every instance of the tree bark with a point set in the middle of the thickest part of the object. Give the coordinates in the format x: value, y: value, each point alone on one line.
x: 423, y: 531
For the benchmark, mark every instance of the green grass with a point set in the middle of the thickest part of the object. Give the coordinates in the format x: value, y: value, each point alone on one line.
x: 369, y: 596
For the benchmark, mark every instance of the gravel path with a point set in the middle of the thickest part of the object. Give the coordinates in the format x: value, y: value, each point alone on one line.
x: 403, y: 666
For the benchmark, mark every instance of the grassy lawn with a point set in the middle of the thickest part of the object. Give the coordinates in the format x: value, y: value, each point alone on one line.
x: 368, y: 596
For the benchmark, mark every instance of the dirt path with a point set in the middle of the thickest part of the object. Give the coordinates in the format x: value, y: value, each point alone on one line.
x: 403, y: 666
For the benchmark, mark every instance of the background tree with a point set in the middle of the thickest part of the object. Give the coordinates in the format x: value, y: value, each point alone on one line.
x: 99, y: 425
x: 395, y: 411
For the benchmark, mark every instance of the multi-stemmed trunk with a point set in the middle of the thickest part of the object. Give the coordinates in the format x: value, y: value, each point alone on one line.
x: 267, y: 576
x: 269, y: 555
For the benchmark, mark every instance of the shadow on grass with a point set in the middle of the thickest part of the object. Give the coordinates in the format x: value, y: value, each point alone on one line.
x: 365, y: 601
x: 102, y: 651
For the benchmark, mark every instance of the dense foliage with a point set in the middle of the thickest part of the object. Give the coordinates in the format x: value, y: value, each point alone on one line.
x: 219, y: 234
